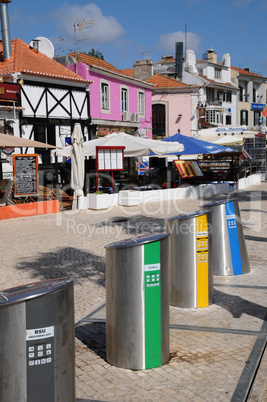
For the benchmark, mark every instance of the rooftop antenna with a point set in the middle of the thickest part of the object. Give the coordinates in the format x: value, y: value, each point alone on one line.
x: 185, y: 39
x: 146, y: 53
x: 80, y: 25
x: 60, y: 40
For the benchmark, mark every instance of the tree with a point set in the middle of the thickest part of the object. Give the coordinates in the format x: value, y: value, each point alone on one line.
x: 96, y: 53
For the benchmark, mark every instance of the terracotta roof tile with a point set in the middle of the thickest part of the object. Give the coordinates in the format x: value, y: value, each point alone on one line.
x: 27, y: 60
x: 245, y: 72
x: 224, y: 84
x: 128, y: 71
x: 95, y: 62
x: 161, y: 81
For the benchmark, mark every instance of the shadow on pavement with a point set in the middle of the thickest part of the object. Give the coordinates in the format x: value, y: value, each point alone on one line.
x: 256, y: 238
x: 67, y: 262
x: 93, y: 335
x: 237, y: 306
x: 137, y: 225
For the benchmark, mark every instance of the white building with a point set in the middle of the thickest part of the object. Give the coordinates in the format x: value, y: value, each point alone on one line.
x: 218, y: 96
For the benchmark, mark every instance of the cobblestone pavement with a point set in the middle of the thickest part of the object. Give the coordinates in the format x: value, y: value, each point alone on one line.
x: 213, y: 350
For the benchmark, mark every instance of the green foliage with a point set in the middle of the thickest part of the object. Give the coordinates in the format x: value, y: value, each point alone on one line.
x: 95, y: 53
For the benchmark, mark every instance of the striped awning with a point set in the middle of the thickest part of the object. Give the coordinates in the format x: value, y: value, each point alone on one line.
x: 188, y: 169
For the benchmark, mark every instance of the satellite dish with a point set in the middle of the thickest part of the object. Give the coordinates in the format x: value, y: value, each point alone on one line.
x: 43, y: 45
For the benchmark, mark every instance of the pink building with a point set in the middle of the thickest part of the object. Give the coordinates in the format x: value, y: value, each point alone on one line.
x: 174, y: 106
x: 118, y: 102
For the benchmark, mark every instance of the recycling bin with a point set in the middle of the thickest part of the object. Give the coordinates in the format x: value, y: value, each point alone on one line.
x: 229, y: 252
x: 137, y: 302
x: 191, y: 277
x: 37, y: 349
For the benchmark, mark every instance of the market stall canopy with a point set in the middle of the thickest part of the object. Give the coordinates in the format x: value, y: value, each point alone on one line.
x: 77, y: 164
x: 134, y: 146
x: 11, y: 141
x: 194, y: 146
x: 229, y: 140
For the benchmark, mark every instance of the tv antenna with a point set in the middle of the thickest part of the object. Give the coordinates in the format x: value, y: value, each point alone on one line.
x: 146, y: 53
x: 80, y: 25
x: 185, y: 39
x: 61, y: 45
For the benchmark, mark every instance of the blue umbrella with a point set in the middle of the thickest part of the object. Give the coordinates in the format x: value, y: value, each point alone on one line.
x: 194, y: 146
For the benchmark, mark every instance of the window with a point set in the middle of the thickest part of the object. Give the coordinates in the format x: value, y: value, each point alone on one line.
x: 220, y: 95
x: 47, y: 134
x: 229, y: 97
x: 217, y: 73
x: 158, y: 119
x: 104, y: 96
x: 254, y: 94
x: 141, y: 103
x: 124, y: 99
x: 214, y: 116
x: 244, y: 117
x: 241, y: 91
x: 210, y: 94
x: 228, y: 120
x: 257, y: 118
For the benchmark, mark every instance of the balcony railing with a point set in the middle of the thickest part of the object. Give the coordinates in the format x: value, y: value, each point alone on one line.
x: 213, y: 102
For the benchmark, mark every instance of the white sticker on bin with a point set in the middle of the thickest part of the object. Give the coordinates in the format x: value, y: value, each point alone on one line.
x: 152, y: 267
x: 39, y: 333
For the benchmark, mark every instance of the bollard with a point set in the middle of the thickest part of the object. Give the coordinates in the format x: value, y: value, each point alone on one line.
x: 37, y: 343
x: 229, y: 255
x: 137, y: 302
x: 191, y: 277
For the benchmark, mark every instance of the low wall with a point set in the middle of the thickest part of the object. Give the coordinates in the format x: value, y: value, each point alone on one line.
x: 249, y: 181
x: 34, y: 208
x: 135, y: 197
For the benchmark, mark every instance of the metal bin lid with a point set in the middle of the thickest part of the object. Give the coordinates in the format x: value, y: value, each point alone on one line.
x: 189, y: 216
x: 138, y: 241
x: 219, y: 202
x: 32, y: 290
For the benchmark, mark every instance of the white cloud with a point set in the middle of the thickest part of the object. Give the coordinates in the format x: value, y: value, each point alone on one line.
x: 105, y: 29
x: 166, y: 43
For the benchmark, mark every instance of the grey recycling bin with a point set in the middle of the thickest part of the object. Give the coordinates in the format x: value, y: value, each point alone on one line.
x: 191, y: 277
x: 229, y: 248
x: 37, y: 347
x: 137, y: 308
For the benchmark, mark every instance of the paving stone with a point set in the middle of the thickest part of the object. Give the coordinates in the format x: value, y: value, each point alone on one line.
x: 209, y: 347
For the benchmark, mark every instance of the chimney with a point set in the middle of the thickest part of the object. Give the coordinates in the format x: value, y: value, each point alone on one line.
x: 5, y: 28
x: 143, y: 69
x: 212, y: 56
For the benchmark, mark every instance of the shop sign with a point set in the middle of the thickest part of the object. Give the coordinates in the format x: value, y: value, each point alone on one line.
x: 257, y: 106
x: 10, y: 91
x: 230, y: 129
x: 109, y: 130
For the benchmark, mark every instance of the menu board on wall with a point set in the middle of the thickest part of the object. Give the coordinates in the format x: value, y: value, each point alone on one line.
x: 25, y: 174
x: 109, y: 158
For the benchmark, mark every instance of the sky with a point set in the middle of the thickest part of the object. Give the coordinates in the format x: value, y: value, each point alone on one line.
x: 131, y: 30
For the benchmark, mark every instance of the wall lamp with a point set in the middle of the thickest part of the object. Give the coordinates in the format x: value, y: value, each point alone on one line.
x: 1, y: 79
x: 20, y: 81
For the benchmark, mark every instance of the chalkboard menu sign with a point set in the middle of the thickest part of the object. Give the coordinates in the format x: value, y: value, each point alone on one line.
x: 25, y: 174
